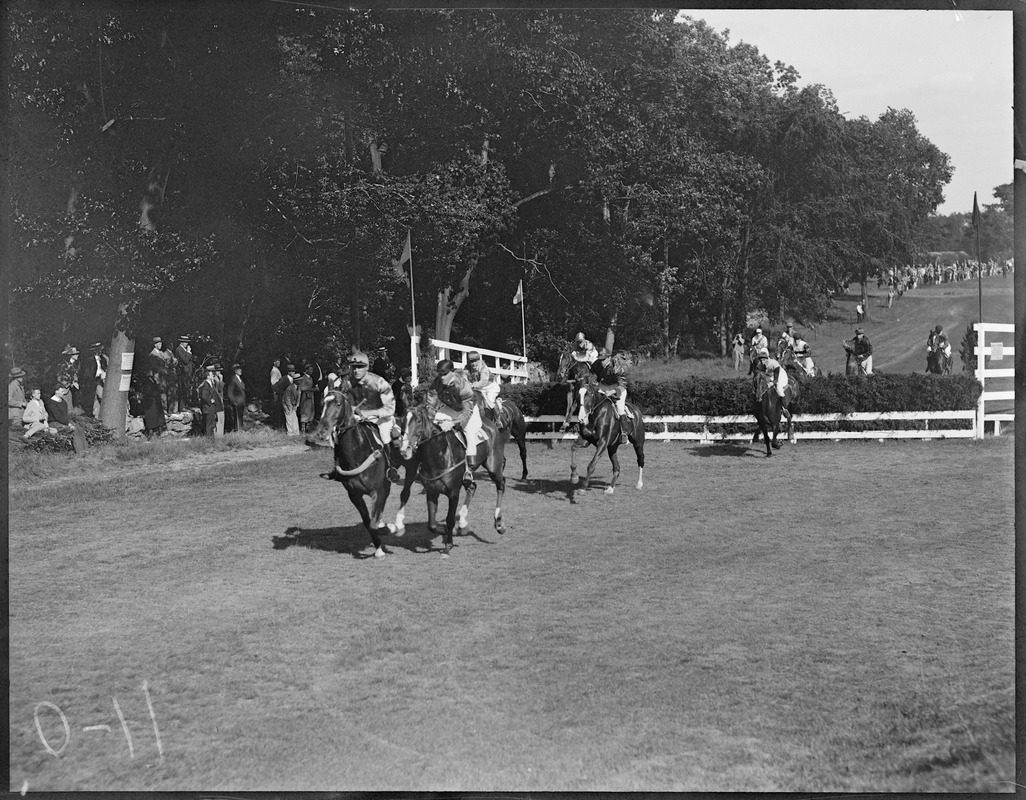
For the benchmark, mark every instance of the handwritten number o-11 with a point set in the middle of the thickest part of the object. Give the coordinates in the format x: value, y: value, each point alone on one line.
x: 42, y: 736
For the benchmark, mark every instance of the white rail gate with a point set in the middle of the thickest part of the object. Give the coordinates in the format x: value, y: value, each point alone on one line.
x: 504, y: 365
x: 995, y: 351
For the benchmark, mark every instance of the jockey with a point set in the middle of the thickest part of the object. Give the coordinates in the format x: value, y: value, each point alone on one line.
x: 481, y: 381
x: 583, y: 350
x: 759, y: 342
x: 939, y: 339
x: 372, y: 400
x: 863, y: 351
x: 613, y: 384
x: 772, y: 366
x: 458, y: 409
x: 787, y: 337
x: 803, y: 354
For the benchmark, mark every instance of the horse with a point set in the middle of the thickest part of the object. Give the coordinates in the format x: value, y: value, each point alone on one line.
x: 576, y: 375
x: 937, y: 363
x: 768, y: 408
x: 360, y: 461
x: 852, y: 365
x: 604, y: 432
x: 789, y: 361
x: 441, y: 457
x: 513, y: 420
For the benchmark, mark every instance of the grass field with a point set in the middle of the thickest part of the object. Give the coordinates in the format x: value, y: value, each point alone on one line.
x: 714, y: 631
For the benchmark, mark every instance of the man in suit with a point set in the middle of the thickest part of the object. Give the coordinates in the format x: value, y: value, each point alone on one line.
x: 94, y: 371
x: 67, y: 374
x: 210, y: 401
x: 290, y: 400
x: 235, y: 394
x: 184, y: 367
x: 160, y: 366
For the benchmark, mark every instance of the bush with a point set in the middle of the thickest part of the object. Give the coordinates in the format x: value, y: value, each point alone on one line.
x: 830, y: 394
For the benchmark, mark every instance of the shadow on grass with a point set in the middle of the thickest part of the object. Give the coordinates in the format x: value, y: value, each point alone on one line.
x: 562, y: 489
x: 730, y: 449
x: 354, y: 540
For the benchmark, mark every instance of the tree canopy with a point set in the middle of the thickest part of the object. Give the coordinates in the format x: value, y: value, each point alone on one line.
x: 248, y: 173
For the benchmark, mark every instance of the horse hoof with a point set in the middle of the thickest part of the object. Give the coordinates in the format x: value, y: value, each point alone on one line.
x: 464, y: 531
x: 609, y: 490
x: 379, y: 553
x: 436, y: 529
x: 398, y: 531
x: 500, y: 529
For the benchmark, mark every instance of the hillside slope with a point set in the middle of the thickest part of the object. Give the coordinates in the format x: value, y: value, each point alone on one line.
x: 898, y: 334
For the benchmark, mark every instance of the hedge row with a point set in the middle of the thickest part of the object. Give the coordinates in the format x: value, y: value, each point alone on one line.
x: 829, y: 394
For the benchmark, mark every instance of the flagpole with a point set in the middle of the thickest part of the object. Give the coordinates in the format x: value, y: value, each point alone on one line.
x: 979, y: 268
x: 523, y: 318
x: 413, y: 307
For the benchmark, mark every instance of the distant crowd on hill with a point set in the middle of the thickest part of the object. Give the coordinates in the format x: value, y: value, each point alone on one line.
x: 912, y: 276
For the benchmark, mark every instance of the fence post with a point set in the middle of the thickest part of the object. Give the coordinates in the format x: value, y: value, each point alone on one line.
x: 980, y: 358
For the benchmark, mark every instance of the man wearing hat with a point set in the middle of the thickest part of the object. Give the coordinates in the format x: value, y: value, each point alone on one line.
x: 458, y: 409
x: 372, y: 400
x: 863, y: 352
x: 786, y: 339
x: 759, y: 341
x: 762, y: 361
x: 290, y: 398
x: 480, y: 378
x: 67, y: 374
x: 183, y: 369
x: 16, y: 396
x: 160, y: 366
x: 210, y: 400
x: 382, y: 365
x: 94, y: 371
x: 235, y: 394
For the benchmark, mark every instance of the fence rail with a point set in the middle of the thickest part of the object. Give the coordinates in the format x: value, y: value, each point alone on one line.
x: 996, y: 351
x: 515, y: 369
x: 708, y: 435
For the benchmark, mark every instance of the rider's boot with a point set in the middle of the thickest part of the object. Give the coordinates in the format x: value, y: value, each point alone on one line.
x: 468, y: 475
x: 626, y: 424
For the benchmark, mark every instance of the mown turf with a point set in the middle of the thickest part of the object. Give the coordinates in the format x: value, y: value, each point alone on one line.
x: 838, y: 618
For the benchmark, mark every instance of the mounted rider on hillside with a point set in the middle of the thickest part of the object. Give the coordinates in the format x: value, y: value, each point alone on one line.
x: 803, y: 355
x: 937, y: 339
x: 759, y: 341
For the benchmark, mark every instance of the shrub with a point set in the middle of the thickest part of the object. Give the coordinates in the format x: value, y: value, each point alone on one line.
x: 829, y: 394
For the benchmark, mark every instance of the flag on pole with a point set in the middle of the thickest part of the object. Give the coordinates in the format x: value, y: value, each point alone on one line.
x: 401, y: 269
x: 518, y: 298
x: 976, y: 212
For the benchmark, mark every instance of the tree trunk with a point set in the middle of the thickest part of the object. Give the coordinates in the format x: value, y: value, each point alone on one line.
x: 114, y: 405
x: 449, y: 302
x: 725, y: 336
x: 355, y: 313
x: 611, y: 332
x: 743, y: 266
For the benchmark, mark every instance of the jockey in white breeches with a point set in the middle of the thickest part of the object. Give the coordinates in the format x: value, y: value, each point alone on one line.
x: 481, y: 381
x: 773, y: 367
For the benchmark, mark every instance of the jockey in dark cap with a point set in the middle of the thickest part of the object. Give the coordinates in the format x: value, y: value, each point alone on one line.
x: 372, y: 400
x: 458, y: 408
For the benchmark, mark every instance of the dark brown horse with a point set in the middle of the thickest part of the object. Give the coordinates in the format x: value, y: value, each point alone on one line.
x: 513, y: 420
x: 441, y: 457
x: 576, y: 375
x: 603, y: 430
x: 768, y: 408
x: 361, y: 462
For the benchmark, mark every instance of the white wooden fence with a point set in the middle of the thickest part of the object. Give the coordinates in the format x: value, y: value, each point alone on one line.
x: 506, y: 365
x: 996, y: 351
x: 707, y: 435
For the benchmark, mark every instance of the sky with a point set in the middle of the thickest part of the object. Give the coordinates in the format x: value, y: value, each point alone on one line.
x: 951, y: 69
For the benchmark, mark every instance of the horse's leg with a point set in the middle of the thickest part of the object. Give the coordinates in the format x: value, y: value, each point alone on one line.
x: 615, y: 461
x: 639, y: 445
x: 569, y: 407
x: 463, y: 512
x: 496, y: 464
x: 574, y: 447
x: 790, y: 426
x: 591, y: 464
x: 357, y: 500
x: 410, y: 475
x: 450, y: 519
x: 519, y: 431
x: 432, y: 506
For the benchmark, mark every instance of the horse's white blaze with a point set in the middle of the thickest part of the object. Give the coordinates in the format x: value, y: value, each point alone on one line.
x: 462, y: 514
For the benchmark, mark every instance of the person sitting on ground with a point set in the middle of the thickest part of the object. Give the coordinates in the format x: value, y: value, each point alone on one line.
x: 57, y: 408
x: 481, y: 381
x: 34, y: 417
x: 612, y: 382
x: 772, y: 368
x: 458, y: 409
x: 372, y: 400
